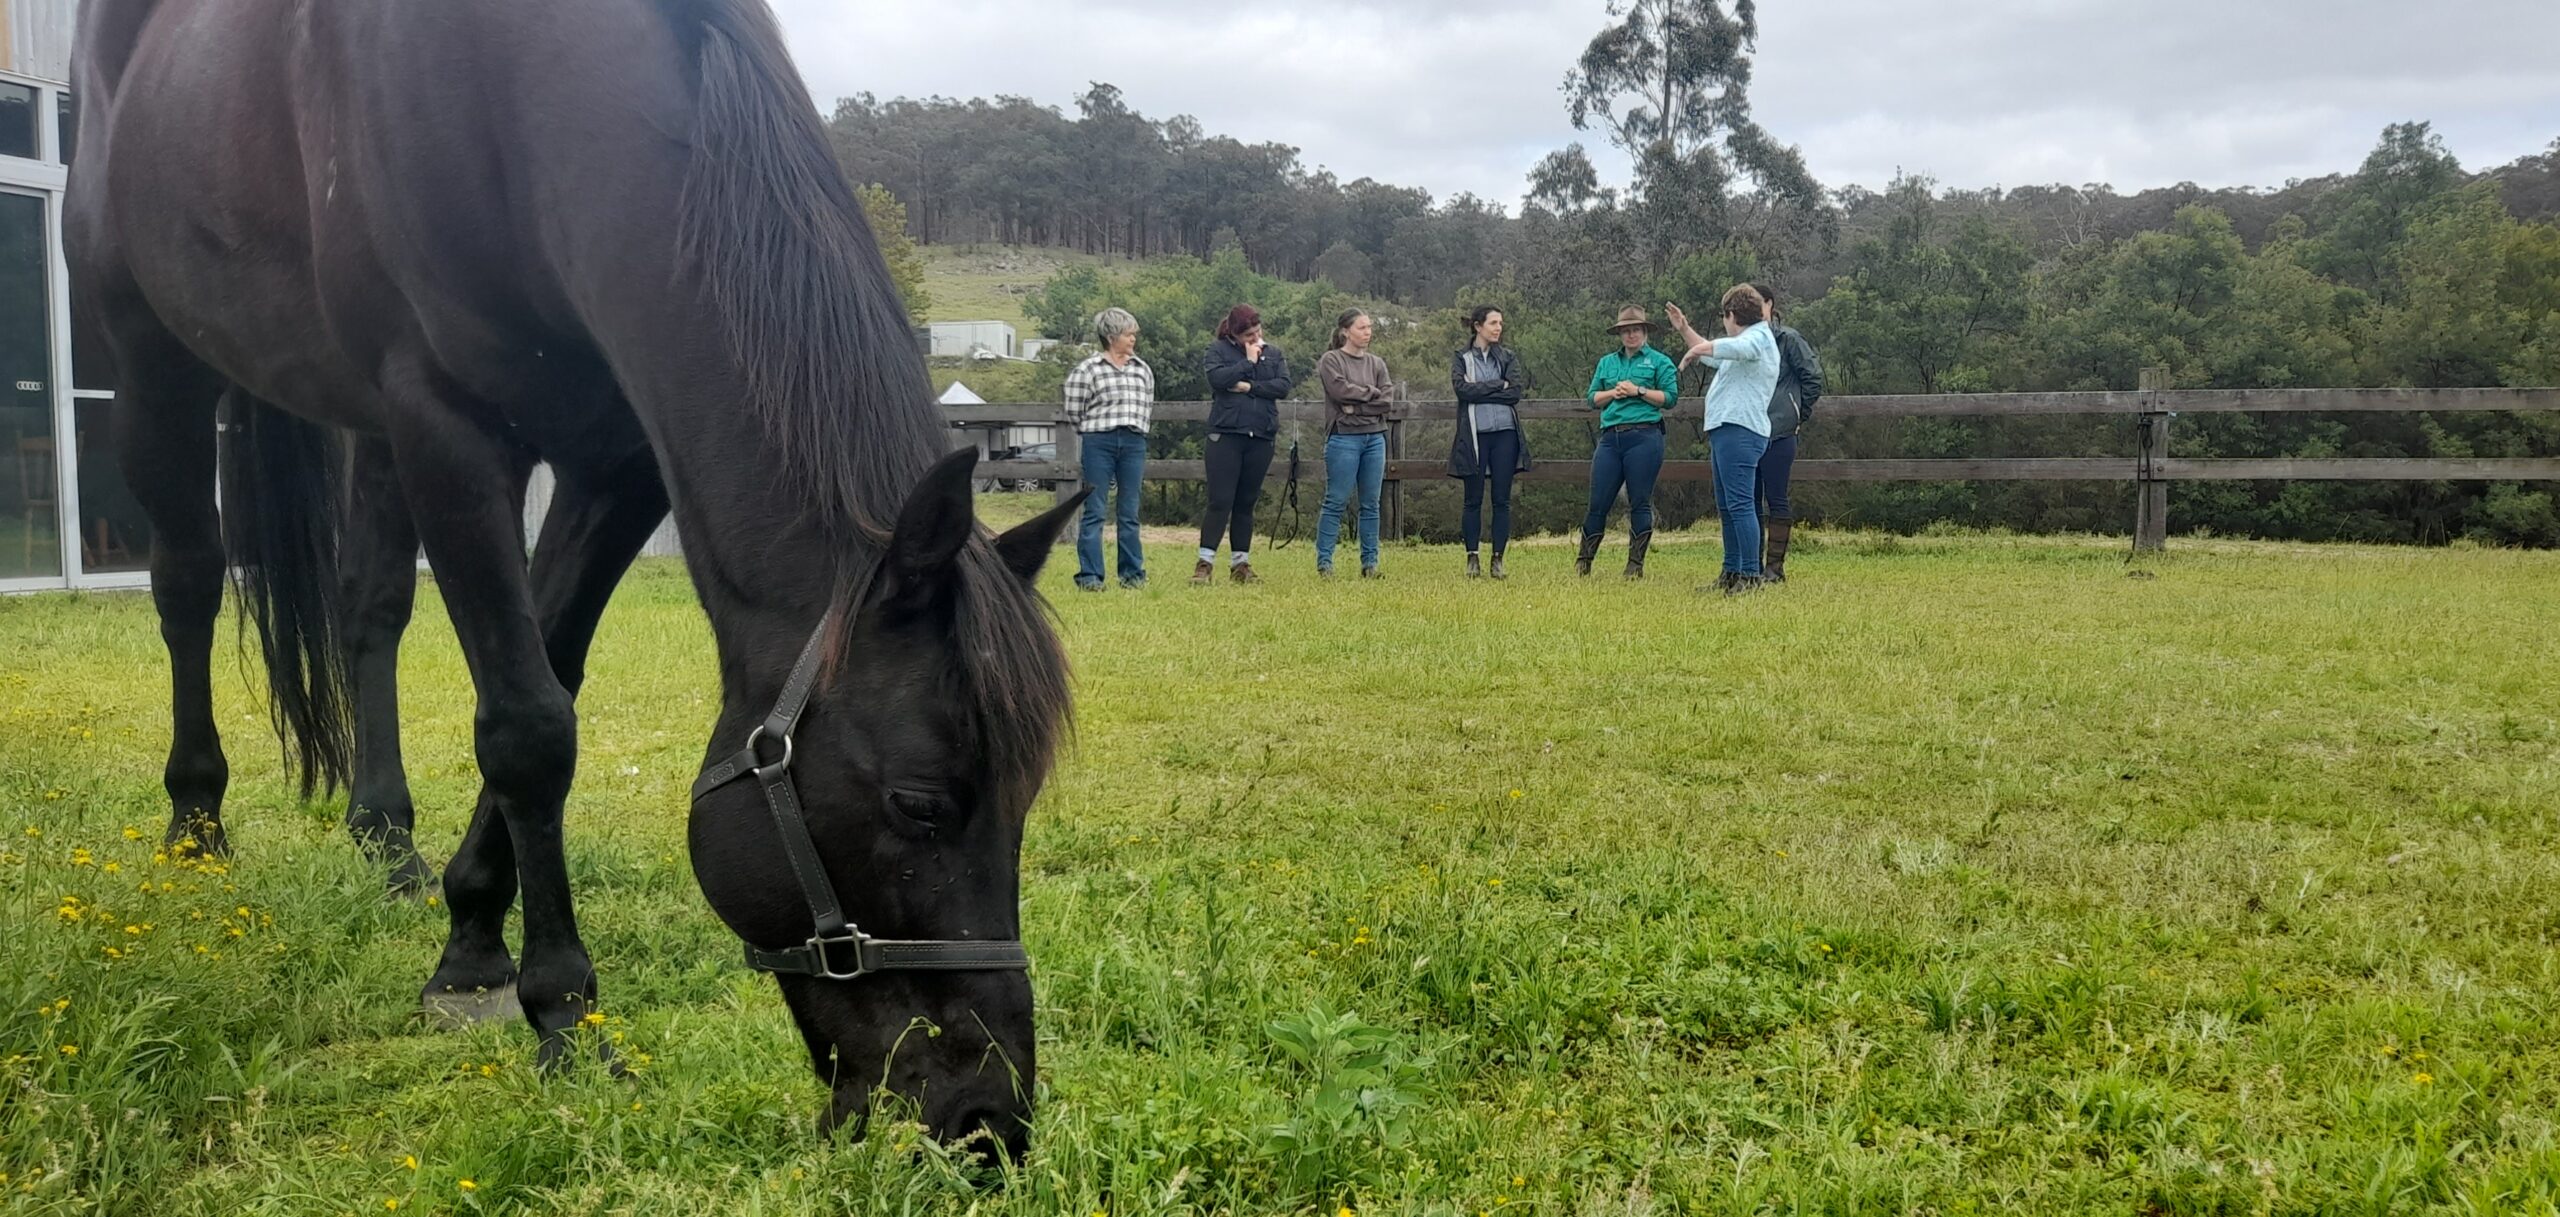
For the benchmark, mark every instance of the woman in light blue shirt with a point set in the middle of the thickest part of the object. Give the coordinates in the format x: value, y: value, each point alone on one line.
x: 1737, y: 423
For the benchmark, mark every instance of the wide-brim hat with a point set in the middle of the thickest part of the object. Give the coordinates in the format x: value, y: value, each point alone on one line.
x: 1631, y: 317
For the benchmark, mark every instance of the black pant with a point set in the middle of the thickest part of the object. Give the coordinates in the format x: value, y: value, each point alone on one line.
x: 1497, y: 458
x: 1237, y: 465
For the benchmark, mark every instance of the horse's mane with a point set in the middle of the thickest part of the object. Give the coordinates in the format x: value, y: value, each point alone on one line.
x: 812, y: 316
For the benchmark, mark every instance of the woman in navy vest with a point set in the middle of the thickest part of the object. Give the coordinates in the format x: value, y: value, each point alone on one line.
x: 1247, y: 378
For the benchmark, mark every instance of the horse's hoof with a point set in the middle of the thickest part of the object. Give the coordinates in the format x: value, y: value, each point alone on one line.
x: 411, y: 879
x: 449, y: 1010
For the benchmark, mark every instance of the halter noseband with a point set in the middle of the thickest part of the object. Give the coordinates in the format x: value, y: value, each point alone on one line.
x: 838, y: 950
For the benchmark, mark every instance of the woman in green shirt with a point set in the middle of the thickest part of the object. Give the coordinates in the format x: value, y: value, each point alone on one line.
x: 1633, y: 388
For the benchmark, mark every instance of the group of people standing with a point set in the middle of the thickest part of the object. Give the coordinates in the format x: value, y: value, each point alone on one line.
x: 1766, y: 384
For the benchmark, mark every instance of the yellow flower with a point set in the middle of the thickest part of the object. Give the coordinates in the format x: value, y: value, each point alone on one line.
x: 79, y: 857
x: 131, y: 833
x: 71, y: 1050
x: 635, y: 1104
x: 1493, y: 883
x: 466, y: 1185
x: 2390, y: 1050
x: 242, y: 911
x: 34, y: 831
x: 594, y: 1018
x: 133, y: 929
x: 1826, y: 948
x: 112, y: 867
x: 391, y: 1204
x: 2423, y: 1079
x: 1519, y: 1181
x: 409, y: 1161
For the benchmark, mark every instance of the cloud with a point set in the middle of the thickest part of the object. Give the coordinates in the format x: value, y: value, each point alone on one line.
x: 1465, y: 95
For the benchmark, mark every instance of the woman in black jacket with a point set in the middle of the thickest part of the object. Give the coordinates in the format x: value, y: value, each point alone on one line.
x: 1247, y: 378
x: 1488, y: 447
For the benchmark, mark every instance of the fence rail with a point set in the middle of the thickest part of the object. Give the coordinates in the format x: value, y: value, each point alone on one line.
x: 2150, y: 466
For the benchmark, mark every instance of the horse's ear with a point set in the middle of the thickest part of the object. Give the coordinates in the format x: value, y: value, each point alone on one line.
x: 936, y: 521
x: 1025, y: 547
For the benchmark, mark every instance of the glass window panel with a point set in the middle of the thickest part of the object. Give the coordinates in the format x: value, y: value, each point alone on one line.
x: 30, y: 481
x: 18, y: 120
x: 114, y: 534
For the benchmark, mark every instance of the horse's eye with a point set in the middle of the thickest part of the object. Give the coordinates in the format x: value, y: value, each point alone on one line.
x: 918, y: 805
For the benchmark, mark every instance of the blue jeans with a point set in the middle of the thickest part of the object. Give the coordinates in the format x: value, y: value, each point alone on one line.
x: 1112, y: 458
x: 1737, y: 450
x: 1351, y: 460
x: 1632, y: 459
x: 1777, y: 469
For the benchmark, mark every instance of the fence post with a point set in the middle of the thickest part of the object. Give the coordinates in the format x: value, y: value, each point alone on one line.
x: 1393, y: 525
x: 1070, y: 455
x: 2151, y: 465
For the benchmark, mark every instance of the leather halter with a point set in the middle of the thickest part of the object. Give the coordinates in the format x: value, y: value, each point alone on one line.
x: 837, y: 950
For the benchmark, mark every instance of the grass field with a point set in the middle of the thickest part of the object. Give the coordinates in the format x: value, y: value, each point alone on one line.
x: 992, y: 282
x: 1964, y: 875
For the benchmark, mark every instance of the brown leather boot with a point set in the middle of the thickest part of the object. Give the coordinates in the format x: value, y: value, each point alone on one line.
x: 1242, y: 572
x: 1590, y: 550
x: 1203, y: 574
x: 1776, y: 531
x: 1636, y: 545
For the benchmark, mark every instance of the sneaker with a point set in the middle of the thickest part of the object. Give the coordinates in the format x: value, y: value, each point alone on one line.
x: 1203, y: 574
x: 1088, y: 585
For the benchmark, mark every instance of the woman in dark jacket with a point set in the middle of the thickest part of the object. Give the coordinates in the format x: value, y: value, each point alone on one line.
x: 1247, y: 378
x: 1488, y: 447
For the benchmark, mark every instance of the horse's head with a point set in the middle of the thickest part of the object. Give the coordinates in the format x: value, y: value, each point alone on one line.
x: 913, y: 768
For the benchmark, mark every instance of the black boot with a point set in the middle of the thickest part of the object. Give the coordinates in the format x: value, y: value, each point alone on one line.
x: 1590, y: 550
x: 1497, y: 571
x: 1475, y: 565
x: 1773, y: 558
x: 1636, y: 545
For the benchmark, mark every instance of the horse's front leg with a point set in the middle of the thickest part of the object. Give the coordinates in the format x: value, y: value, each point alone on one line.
x: 465, y: 492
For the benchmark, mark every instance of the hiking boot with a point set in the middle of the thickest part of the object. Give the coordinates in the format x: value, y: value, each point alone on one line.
x: 1590, y: 550
x: 1088, y: 585
x: 1370, y: 572
x: 1475, y: 566
x: 1324, y: 572
x: 1242, y: 572
x: 1203, y: 574
x: 1776, y: 531
x: 1497, y: 571
x: 1135, y: 583
x: 1722, y: 586
x: 1636, y: 547
x: 1743, y: 585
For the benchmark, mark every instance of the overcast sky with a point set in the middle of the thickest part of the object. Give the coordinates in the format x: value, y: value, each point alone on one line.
x: 1453, y: 96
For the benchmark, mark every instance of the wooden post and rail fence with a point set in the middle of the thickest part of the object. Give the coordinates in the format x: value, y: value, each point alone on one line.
x: 2151, y: 467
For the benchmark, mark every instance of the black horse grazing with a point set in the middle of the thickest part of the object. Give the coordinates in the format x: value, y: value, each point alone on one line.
x: 607, y: 234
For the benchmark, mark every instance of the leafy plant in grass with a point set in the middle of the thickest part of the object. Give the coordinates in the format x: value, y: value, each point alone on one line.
x: 1358, y: 1084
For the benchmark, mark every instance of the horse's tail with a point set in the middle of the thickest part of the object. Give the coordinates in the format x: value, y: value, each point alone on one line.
x: 280, y: 525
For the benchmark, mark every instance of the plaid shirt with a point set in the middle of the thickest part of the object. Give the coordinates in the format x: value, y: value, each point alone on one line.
x: 1101, y: 397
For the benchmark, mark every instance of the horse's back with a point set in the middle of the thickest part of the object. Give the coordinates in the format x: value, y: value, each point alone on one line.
x: 312, y: 193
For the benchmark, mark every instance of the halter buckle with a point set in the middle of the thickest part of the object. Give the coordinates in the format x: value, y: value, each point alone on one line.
x: 824, y: 968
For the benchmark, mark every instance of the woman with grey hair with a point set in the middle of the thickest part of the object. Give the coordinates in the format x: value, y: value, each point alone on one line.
x: 1110, y: 401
